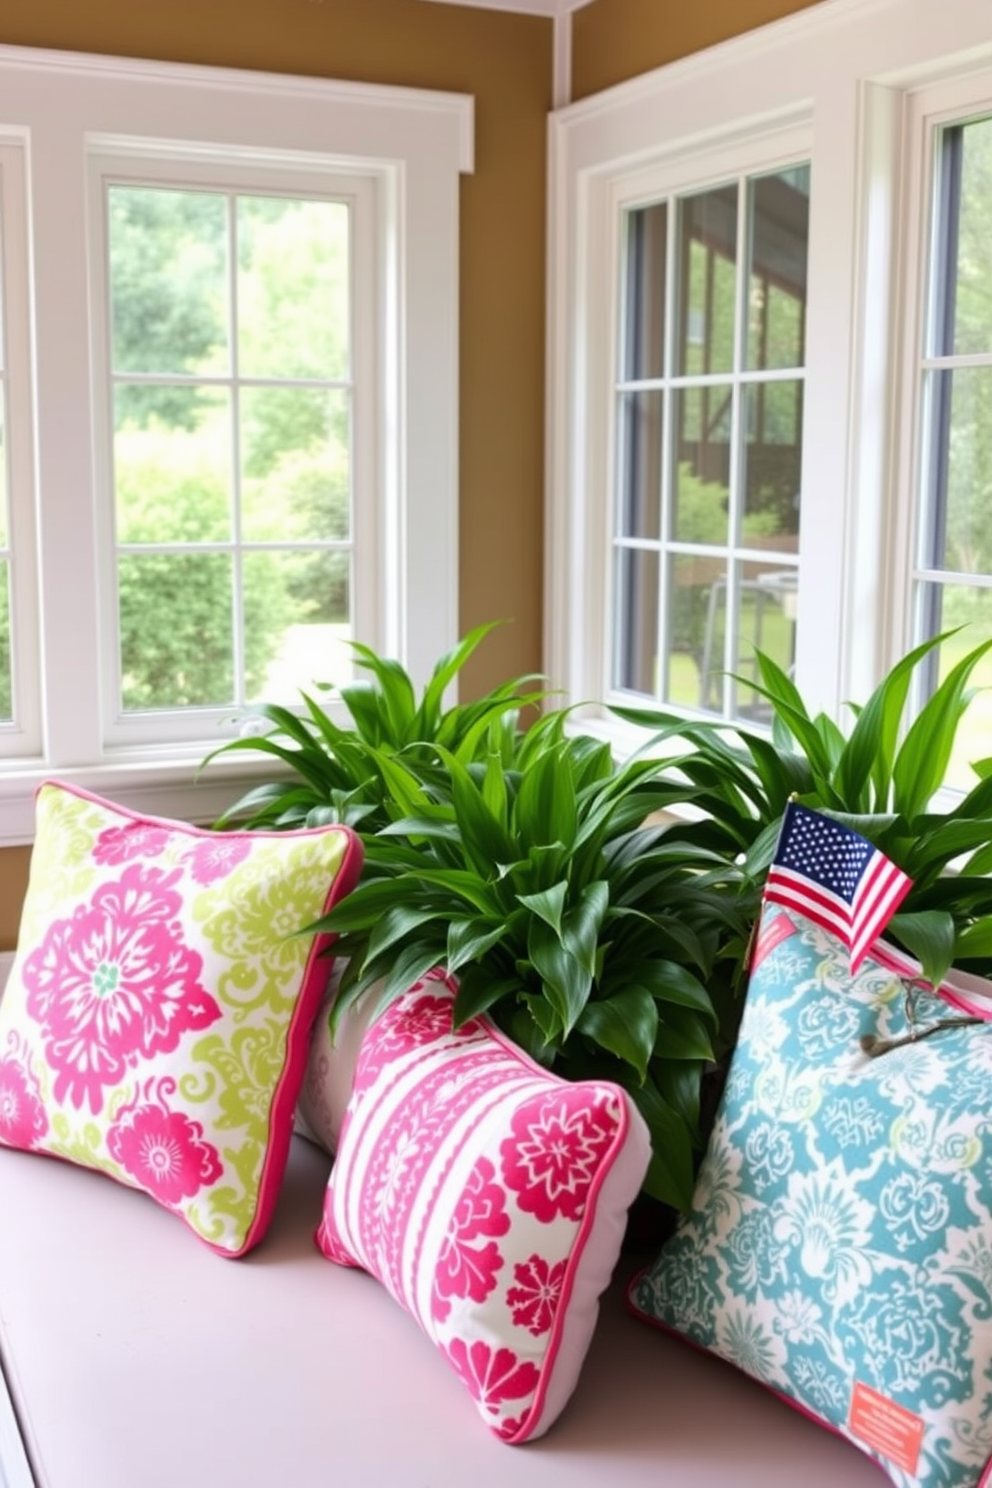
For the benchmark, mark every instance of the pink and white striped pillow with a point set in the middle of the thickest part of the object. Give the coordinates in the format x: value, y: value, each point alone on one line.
x: 489, y: 1197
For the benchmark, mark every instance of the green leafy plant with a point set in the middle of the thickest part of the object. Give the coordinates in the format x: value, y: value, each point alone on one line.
x: 520, y: 859
x: 593, y: 940
x: 883, y: 778
x: 600, y: 912
x: 327, y: 771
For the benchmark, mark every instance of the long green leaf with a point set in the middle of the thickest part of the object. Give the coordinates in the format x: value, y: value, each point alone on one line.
x: 870, y: 754
x: 400, y: 924
x: 480, y: 990
x: 671, y: 1174
x: 921, y: 763
x: 545, y: 808
x: 485, y: 840
x: 682, y: 1034
x: 930, y: 937
x: 582, y: 926
x: 672, y: 983
x: 975, y: 941
x: 444, y: 673
x: 395, y: 697
x: 470, y: 938
x: 565, y: 982
x: 625, y: 1025
x: 548, y: 905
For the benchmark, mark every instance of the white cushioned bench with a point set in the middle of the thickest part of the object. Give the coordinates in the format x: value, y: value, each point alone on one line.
x: 137, y: 1358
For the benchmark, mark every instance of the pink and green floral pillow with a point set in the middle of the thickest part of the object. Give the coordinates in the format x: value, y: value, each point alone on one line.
x: 489, y: 1197
x: 156, y: 1019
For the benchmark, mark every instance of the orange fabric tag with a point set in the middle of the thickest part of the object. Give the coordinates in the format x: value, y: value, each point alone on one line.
x: 887, y: 1427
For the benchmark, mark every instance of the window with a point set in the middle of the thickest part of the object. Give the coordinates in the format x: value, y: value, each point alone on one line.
x: 708, y: 432
x: 757, y: 439
x: 229, y: 407
x: 952, y: 563
x: 233, y: 354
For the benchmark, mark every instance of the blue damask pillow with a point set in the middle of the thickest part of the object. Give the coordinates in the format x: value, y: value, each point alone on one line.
x: 839, y: 1248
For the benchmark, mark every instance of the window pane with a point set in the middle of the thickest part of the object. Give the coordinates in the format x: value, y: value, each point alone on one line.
x: 644, y: 321
x: 168, y: 277
x: 701, y: 483
x: 697, y: 625
x: 772, y: 458
x: 958, y: 535
x: 954, y: 530
x: 230, y: 455
x: 967, y: 187
x: 636, y: 650
x: 297, y: 623
x: 295, y: 464
x: 177, y: 634
x: 4, y: 483
x: 172, y: 465
x: 944, y: 607
x: 767, y: 623
x: 779, y: 233
x: 730, y: 459
x: 641, y: 430
x: 708, y: 246
x: 293, y: 295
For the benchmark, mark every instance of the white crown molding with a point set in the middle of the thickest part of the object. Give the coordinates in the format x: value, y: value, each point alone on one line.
x: 553, y: 9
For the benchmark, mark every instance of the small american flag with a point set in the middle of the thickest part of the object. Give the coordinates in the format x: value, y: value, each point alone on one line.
x: 835, y: 877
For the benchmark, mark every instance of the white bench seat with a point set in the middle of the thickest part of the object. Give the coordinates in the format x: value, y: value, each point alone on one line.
x: 137, y: 1358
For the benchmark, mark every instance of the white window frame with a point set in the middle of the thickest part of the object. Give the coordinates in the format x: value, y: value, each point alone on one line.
x: 763, y: 152
x: 845, y: 70
x: 365, y: 192
x: 60, y: 109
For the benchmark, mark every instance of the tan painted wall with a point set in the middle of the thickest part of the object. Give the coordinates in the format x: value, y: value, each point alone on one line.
x: 613, y: 40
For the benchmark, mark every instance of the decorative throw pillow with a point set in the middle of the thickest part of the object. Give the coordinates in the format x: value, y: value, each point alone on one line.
x: 490, y: 1198
x: 839, y: 1247
x: 155, y: 1022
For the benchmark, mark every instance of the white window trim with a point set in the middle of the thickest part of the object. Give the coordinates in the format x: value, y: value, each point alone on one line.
x: 770, y: 148
x: 367, y: 193
x: 417, y: 143
x: 847, y: 67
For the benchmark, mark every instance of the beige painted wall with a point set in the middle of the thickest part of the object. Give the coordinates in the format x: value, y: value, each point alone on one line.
x: 613, y: 40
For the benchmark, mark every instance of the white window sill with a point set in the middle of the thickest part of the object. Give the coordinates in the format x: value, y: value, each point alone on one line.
x: 173, y: 787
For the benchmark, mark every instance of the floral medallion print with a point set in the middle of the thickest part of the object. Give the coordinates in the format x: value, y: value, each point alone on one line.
x: 828, y: 1228
x: 915, y: 1336
x: 745, y: 1340
x: 915, y: 1208
x: 214, y: 857
x: 163, y: 1150
x: 768, y: 1153
x: 470, y: 1258
x: 839, y: 1234
x: 494, y: 1376
x: 138, y: 840
x: 23, y: 1121
x: 114, y: 983
x: 130, y: 1043
x: 471, y: 1182
x: 555, y: 1150
x: 534, y: 1297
